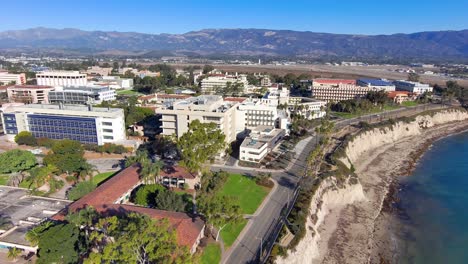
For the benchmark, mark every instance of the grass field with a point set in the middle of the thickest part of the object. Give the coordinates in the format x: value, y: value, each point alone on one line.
x: 128, y: 92
x: 250, y: 194
x: 230, y: 232
x: 102, y: 177
x: 409, y: 103
x: 347, y: 115
x: 4, y: 179
x: 211, y: 254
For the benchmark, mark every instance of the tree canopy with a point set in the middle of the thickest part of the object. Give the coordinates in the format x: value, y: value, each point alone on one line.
x: 200, y: 143
x: 67, y: 156
x: 61, y: 243
x: 25, y: 138
x: 16, y: 160
x: 136, y: 239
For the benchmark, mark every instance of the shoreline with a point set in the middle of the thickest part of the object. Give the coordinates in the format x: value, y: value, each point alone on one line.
x: 359, y: 233
x: 389, y: 212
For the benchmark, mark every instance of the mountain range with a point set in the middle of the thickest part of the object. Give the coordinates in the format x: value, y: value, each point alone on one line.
x: 433, y: 45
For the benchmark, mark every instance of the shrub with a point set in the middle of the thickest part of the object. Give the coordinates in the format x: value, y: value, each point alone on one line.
x: 45, y: 142
x: 145, y: 194
x: 25, y: 138
x: 81, y: 189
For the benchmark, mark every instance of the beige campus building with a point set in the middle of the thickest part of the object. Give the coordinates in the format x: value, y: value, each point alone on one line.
x: 176, y: 118
x: 339, y: 92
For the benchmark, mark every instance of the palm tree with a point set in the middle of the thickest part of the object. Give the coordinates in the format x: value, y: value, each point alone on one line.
x: 157, y: 166
x: 34, y: 234
x: 14, y: 253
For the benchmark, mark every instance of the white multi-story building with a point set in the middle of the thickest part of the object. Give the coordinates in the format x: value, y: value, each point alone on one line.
x: 82, y: 123
x: 306, y: 107
x: 176, y: 117
x: 116, y: 82
x: 211, y: 84
x: 413, y: 87
x: 259, y: 143
x: 255, y: 112
x: 61, y: 78
x: 81, y: 95
x: 376, y: 84
x: 8, y: 78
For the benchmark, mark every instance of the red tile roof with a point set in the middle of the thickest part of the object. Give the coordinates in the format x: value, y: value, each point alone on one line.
x: 393, y: 94
x: 177, y: 172
x: 235, y: 99
x: 103, y: 199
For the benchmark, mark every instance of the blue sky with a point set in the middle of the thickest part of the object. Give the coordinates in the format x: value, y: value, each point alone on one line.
x: 174, y: 16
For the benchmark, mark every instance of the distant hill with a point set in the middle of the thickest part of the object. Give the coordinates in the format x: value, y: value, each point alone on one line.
x: 437, y: 45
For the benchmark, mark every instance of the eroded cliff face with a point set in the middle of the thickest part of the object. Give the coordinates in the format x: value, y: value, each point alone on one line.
x: 330, y: 198
x: 327, y: 197
x: 381, y: 136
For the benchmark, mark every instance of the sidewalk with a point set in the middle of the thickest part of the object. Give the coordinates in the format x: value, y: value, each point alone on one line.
x: 251, y: 219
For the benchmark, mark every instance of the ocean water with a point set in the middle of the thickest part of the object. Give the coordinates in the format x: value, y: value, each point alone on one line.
x: 433, y: 215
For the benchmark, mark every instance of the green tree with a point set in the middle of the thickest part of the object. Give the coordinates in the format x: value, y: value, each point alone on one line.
x: 80, y: 190
x: 14, y: 253
x: 145, y: 195
x: 200, y: 143
x: 170, y: 201
x: 38, y: 176
x: 34, y: 234
x: 413, y: 77
x: 207, y: 68
x: 219, y: 211
x: 67, y: 156
x: 16, y: 160
x: 25, y: 138
x: 61, y: 243
x: 138, y: 239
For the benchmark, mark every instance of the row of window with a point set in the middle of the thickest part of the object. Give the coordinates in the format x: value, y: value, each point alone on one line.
x: 87, y: 139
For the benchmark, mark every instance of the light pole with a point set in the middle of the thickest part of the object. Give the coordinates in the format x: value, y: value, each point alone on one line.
x: 261, y: 247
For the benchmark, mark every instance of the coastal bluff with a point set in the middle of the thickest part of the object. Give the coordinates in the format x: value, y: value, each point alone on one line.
x: 380, y: 136
x: 345, y: 216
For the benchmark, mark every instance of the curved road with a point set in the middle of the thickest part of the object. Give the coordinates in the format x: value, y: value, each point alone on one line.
x: 247, y: 247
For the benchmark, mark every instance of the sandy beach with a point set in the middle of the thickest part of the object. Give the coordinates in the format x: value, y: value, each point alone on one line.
x: 358, y: 233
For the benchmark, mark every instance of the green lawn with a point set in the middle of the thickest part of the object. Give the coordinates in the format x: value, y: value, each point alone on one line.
x: 250, y: 194
x: 102, y: 177
x: 211, y: 254
x: 347, y: 115
x: 128, y: 92
x: 4, y: 179
x: 409, y: 103
x: 230, y: 232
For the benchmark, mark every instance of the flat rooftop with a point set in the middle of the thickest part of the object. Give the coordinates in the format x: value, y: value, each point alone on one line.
x: 77, y: 108
x: 19, y: 212
x: 17, y: 205
x: 260, y: 136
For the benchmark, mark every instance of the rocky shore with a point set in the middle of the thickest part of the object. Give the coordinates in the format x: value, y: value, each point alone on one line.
x: 356, y: 230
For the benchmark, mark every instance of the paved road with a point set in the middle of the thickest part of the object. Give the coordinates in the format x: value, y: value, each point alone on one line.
x: 246, y: 249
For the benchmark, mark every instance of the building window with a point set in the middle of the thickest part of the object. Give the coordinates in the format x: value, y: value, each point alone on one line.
x: 107, y: 123
x: 108, y: 137
x: 108, y: 130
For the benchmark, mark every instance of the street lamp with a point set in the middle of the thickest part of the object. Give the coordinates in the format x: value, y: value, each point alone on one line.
x: 261, y: 247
